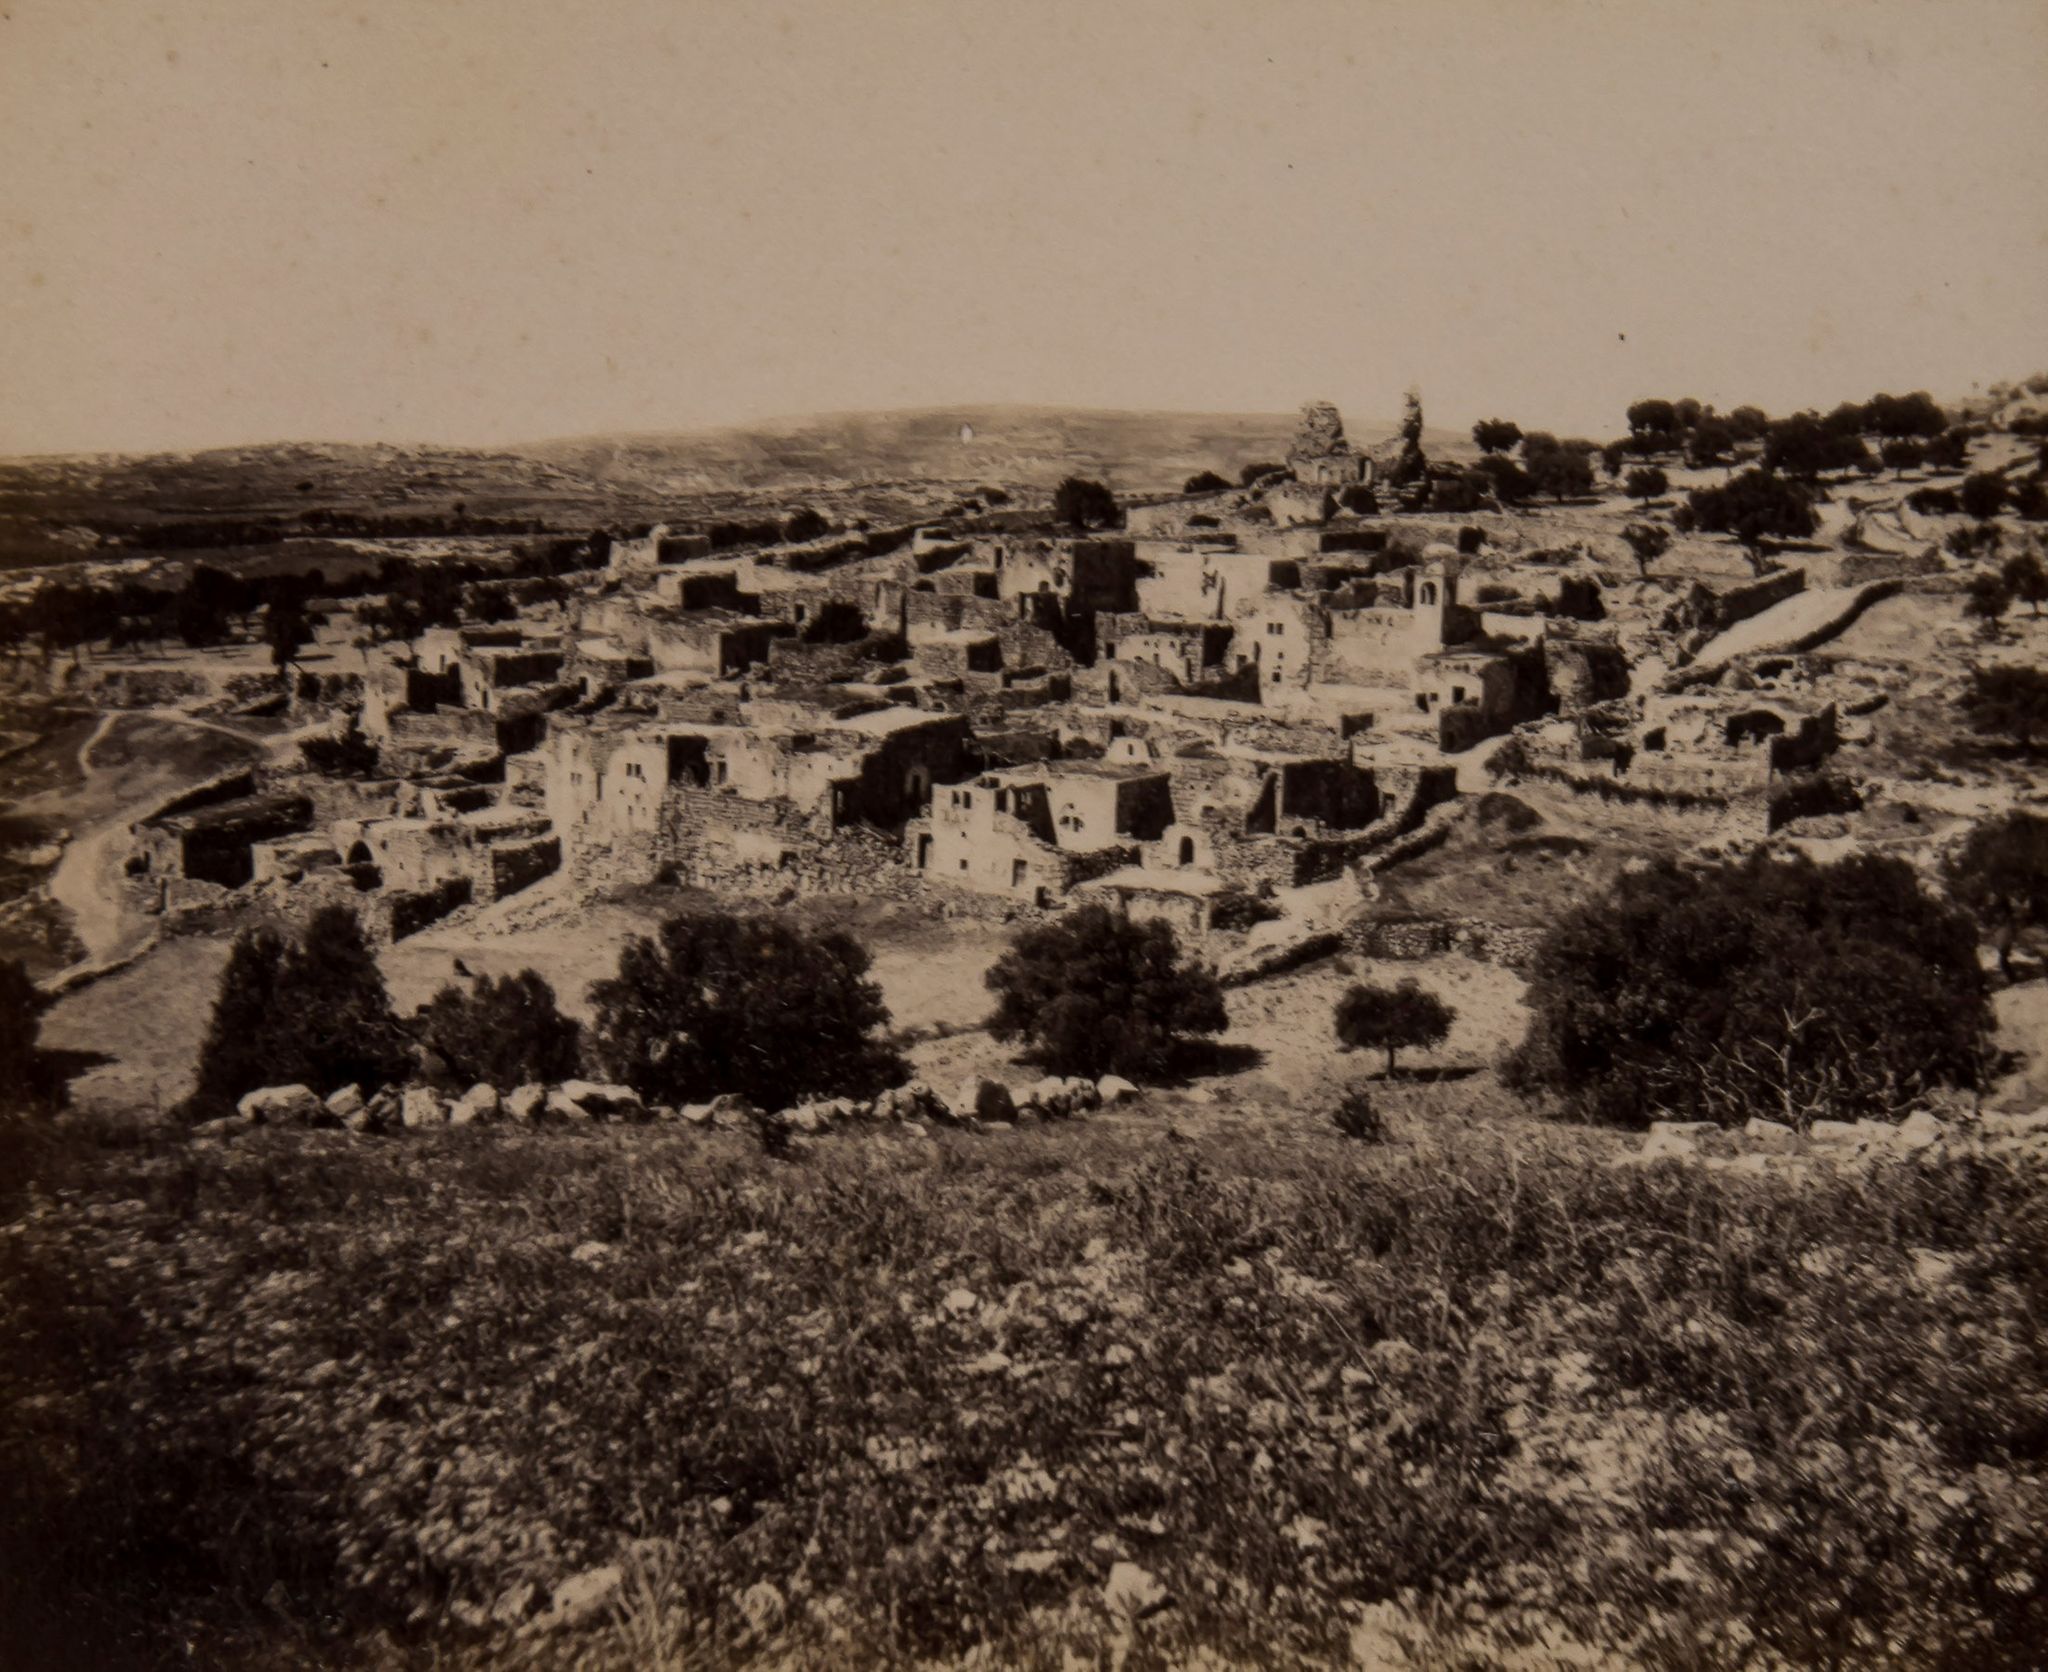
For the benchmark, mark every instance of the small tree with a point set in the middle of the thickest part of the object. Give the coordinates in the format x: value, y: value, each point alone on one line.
x: 502, y: 1031
x: 286, y: 631
x: 31, y: 1078
x: 1391, y: 1019
x: 1095, y: 993
x: 1648, y: 542
x: 1206, y: 481
x: 2001, y: 874
x: 1711, y: 443
x: 1986, y: 603
x: 1755, y: 506
x: 1646, y: 483
x: 2007, y: 701
x: 1902, y: 454
x: 1080, y: 503
x: 715, y: 1003
x: 1983, y: 495
x: 1496, y: 435
x: 1560, y: 471
x: 238, y: 1054
x: 2026, y: 577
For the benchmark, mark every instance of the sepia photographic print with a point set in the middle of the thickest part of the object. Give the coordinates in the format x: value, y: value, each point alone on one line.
x: 1086, y: 835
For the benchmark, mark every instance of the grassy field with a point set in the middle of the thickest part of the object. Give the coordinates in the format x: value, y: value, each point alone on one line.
x: 1474, y: 1392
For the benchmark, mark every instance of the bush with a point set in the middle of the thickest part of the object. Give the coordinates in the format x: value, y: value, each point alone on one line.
x: 1646, y: 483
x: 1810, y: 795
x: 1096, y: 993
x: 1358, y: 1117
x: 1755, y: 506
x: 1081, y: 503
x: 1392, y: 1019
x: 1206, y: 481
x: 2000, y: 874
x: 312, y: 1011
x: 1236, y: 910
x: 1496, y: 435
x: 32, y: 1080
x: 504, y: 1031
x: 1983, y: 495
x: 2007, y: 700
x: 1772, y: 987
x: 1934, y: 502
x: 714, y: 1003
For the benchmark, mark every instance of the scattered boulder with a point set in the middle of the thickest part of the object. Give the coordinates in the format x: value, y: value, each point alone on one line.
x: 281, y: 1106
x: 561, y: 1106
x: 418, y: 1106
x: 1835, y: 1132
x: 1774, y: 1133
x: 345, y: 1103
x: 1669, y: 1146
x: 581, y: 1598
x: 525, y: 1103
x: 227, y: 1126
x: 695, y: 1114
x: 479, y: 1103
x: 731, y: 1112
x: 1134, y: 1594
x: 1684, y: 1128
x: 808, y: 1118
x: 1114, y: 1088
x: 604, y: 1102
x: 380, y: 1114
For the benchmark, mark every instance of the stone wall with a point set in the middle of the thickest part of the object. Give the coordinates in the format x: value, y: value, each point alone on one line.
x: 1407, y: 938
x: 517, y: 865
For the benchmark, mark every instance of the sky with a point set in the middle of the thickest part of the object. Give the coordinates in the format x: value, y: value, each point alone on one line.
x: 487, y: 221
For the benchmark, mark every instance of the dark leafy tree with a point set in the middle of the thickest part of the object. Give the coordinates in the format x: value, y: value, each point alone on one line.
x: 1973, y: 541
x: 32, y: 1080
x: 2026, y: 577
x: 286, y: 630
x: 1648, y: 542
x: 238, y: 1054
x: 1905, y: 415
x: 2001, y: 874
x: 1507, y: 480
x: 1986, y: 602
x: 1464, y: 491
x: 1560, y: 471
x: 1748, y: 423
x: 1755, y: 506
x: 1095, y: 993
x: 2030, y: 498
x: 1949, y: 450
x: 716, y: 1003
x: 2007, y: 700
x: 1612, y: 457
x: 1902, y: 454
x: 1850, y: 418
x: 1646, y: 483
x: 503, y: 1031
x: 1804, y: 445
x: 1080, y: 503
x: 1391, y: 1019
x: 1654, y: 420
x: 1711, y: 443
x: 1772, y: 987
x: 1983, y: 495
x: 1411, y: 465
x: 1496, y: 435
x: 1206, y: 481
x: 1934, y: 502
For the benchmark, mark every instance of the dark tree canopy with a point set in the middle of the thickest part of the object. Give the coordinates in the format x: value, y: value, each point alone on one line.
x: 1509, y: 482
x: 1804, y: 445
x: 1094, y: 993
x: 2001, y: 874
x: 1987, y: 600
x: 1647, y: 483
x: 1983, y: 495
x: 1496, y: 435
x: 310, y: 1012
x: 1081, y: 503
x: 1563, y: 470
x: 1390, y: 1019
x: 504, y: 1031
x: 1902, y: 454
x: 1772, y: 987
x: 1657, y: 419
x: 1648, y: 542
x: 715, y: 1003
x: 2026, y: 577
x: 31, y: 1078
x: 1748, y: 423
x: 2007, y: 700
x: 1710, y: 443
x: 1755, y: 506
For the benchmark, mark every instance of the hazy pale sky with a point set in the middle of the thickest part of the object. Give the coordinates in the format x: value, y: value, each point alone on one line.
x: 482, y: 221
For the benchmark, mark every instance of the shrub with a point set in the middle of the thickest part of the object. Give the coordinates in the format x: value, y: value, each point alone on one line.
x: 2000, y: 874
x: 1358, y: 1117
x: 1903, y: 454
x: 1496, y: 435
x: 1809, y: 795
x: 1206, y: 481
x: 1754, y: 507
x: 714, y: 1003
x: 1080, y: 503
x: 1934, y: 502
x: 1236, y: 910
x: 1983, y: 495
x: 1646, y: 483
x: 31, y: 1078
x: 310, y: 1012
x: 1095, y: 993
x: 504, y: 1031
x: 1392, y: 1019
x: 1773, y: 987
x: 1647, y: 542
x: 2026, y: 577
x: 2007, y: 701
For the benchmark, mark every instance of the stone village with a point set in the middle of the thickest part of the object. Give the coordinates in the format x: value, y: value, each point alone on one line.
x: 1240, y: 693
